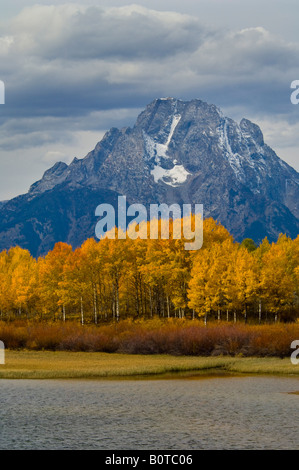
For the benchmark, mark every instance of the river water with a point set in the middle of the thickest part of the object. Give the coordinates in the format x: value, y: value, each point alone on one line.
x: 177, y: 414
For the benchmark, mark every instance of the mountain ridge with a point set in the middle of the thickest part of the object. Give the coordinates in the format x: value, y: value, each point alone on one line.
x: 177, y: 151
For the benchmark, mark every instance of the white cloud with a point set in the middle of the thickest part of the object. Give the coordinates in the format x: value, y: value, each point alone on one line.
x: 19, y: 168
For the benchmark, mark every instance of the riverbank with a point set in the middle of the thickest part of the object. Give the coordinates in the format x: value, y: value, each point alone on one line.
x: 77, y: 365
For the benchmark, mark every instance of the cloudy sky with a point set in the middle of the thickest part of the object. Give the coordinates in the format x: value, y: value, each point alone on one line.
x: 74, y: 70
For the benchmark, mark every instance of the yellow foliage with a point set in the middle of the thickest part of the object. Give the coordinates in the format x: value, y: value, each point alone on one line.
x: 143, y: 278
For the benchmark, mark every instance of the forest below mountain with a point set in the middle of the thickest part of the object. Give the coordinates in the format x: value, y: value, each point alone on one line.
x: 112, y: 279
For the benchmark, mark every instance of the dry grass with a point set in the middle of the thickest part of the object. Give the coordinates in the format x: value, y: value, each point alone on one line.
x: 62, y: 365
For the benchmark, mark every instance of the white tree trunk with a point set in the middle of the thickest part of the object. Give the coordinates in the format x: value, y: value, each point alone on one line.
x: 168, y: 308
x: 117, y: 301
x: 151, y: 302
x: 260, y: 311
x: 63, y: 313
x: 82, y: 311
x: 95, y: 307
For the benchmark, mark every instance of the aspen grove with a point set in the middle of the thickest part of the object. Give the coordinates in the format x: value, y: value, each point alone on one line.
x: 120, y: 279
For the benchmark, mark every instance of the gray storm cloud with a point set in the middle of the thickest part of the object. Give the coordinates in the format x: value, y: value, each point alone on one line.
x: 69, y: 59
x: 72, y: 69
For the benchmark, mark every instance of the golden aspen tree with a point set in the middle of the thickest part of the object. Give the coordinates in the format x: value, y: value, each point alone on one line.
x: 263, y: 248
x: 246, y: 280
x: 177, y: 275
x: 91, y: 266
x: 6, y: 296
x: 200, y: 293
x: 224, y: 276
x: 277, y: 284
x: 155, y: 272
x: 212, y: 284
x: 214, y: 232
x: 50, y: 275
x: 151, y: 271
x: 23, y: 280
x: 296, y: 270
x: 135, y: 292
x: 114, y: 262
x: 74, y: 284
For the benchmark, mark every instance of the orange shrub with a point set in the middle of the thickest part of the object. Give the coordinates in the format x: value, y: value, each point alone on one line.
x: 176, y: 337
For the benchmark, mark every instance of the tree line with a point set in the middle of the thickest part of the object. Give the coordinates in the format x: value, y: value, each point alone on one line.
x: 116, y: 279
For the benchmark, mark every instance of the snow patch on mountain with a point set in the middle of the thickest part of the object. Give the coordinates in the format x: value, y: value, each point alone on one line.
x: 233, y: 158
x: 239, y: 162
x: 177, y: 175
x: 155, y: 150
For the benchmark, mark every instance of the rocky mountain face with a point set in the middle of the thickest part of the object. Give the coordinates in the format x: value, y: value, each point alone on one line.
x: 178, y: 151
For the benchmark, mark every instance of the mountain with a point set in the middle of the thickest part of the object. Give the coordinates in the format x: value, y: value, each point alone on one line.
x: 177, y: 151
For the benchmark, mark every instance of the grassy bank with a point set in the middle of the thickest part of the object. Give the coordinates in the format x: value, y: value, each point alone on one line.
x: 62, y: 365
